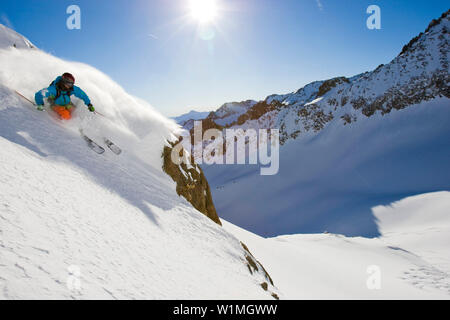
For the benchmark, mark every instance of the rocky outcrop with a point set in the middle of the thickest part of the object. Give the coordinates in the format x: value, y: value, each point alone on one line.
x: 417, y: 90
x: 433, y: 23
x: 191, y: 184
x: 330, y: 84
x: 255, y: 267
x: 207, y: 124
x: 258, y: 110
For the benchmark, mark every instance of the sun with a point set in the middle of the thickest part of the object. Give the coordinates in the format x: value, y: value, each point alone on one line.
x: 203, y: 11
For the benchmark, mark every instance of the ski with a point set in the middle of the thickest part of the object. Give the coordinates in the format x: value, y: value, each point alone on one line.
x: 92, y: 144
x: 115, y: 149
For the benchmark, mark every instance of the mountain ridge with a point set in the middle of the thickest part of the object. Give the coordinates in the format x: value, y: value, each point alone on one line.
x: 298, y: 112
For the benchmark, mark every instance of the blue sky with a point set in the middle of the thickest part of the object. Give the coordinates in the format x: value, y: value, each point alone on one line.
x: 254, y: 48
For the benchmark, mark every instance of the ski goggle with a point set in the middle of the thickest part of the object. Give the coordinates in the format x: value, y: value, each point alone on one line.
x: 67, y: 83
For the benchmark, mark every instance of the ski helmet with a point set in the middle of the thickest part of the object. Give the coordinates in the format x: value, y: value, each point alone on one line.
x: 67, y: 81
x: 68, y: 77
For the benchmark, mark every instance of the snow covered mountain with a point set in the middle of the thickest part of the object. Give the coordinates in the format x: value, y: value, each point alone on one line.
x: 78, y: 225
x: 191, y: 115
x: 227, y: 113
x: 348, y: 144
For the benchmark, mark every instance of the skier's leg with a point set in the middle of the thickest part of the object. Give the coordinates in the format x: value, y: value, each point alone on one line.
x: 62, y: 112
x: 71, y: 108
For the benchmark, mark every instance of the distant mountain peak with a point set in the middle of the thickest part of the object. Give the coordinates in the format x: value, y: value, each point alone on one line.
x: 11, y: 39
x: 191, y: 115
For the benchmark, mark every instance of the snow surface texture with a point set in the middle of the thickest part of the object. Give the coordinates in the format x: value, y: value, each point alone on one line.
x: 411, y: 256
x: 77, y: 225
x: 336, y: 163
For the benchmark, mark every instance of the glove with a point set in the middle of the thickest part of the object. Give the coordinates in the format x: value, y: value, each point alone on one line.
x: 40, y: 107
x: 91, y: 107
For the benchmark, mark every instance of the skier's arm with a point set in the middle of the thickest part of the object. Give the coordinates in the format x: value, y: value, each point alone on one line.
x: 81, y: 95
x: 44, y: 93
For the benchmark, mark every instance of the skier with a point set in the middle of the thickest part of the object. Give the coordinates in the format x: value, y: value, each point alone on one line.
x: 58, y: 94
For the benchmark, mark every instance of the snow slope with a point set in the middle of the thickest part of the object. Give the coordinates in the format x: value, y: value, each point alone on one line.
x: 411, y: 255
x: 78, y: 225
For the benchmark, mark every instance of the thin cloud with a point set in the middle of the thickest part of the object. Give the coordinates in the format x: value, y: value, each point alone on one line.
x: 319, y: 4
x: 5, y: 21
x: 153, y: 36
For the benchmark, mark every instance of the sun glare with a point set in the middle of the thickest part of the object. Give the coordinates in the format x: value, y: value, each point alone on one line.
x: 203, y: 11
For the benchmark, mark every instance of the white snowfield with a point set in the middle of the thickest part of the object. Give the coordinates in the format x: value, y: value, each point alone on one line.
x: 410, y: 260
x: 78, y: 225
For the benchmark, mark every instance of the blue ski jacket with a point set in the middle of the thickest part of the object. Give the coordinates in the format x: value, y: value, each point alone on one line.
x: 60, y: 97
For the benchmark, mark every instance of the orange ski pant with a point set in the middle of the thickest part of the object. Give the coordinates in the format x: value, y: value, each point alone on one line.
x: 63, y: 112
